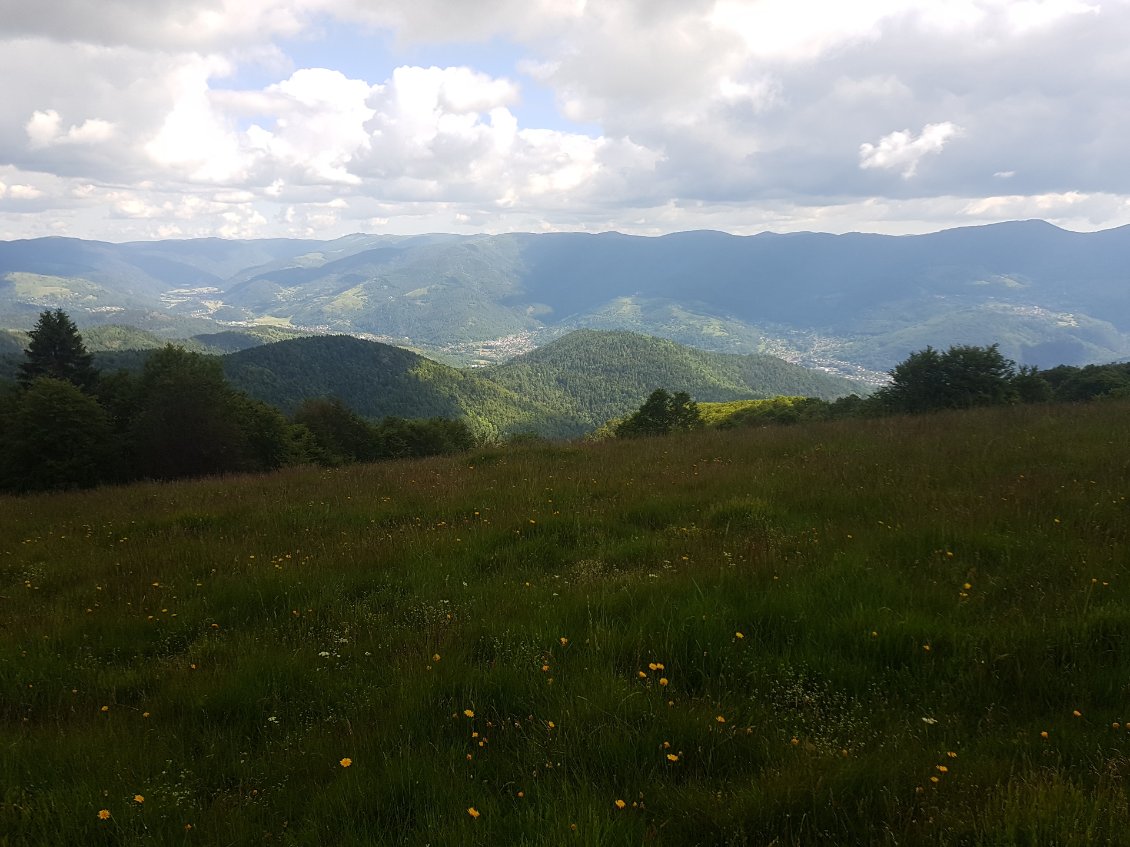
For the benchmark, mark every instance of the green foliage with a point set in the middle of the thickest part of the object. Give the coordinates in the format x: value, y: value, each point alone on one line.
x: 962, y: 377
x: 186, y: 422
x: 270, y: 441
x: 177, y: 416
x: 661, y: 414
x: 775, y: 410
x: 1089, y: 383
x: 340, y: 436
x: 55, y: 349
x: 54, y: 436
x: 1030, y: 386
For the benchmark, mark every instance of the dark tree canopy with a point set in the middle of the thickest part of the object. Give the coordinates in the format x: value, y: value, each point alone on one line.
x: 660, y: 414
x: 56, y: 437
x: 962, y: 377
x: 56, y: 350
x: 186, y: 424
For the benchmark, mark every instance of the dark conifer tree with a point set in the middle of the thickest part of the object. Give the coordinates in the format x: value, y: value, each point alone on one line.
x: 56, y: 350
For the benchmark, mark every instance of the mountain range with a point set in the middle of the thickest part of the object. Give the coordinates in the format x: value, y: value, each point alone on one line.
x: 855, y: 304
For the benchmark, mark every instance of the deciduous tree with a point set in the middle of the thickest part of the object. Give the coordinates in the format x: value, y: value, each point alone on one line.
x: 56, y: 437
x: 660, y: 414
x: 962, y: 377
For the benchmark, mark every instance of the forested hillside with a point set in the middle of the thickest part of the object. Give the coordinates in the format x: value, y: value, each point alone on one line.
x: 565, y: 388
x: 601, y: 375
x: 376, y: 380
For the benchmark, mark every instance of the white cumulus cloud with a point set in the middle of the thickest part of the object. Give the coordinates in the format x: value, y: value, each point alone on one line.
x: 902, y: 150
x: 44, y: 128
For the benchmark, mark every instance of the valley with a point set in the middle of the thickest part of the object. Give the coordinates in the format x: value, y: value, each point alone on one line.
x: 851, y: 304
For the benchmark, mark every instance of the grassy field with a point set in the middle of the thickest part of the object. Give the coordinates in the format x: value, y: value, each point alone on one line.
x: 902, y: 631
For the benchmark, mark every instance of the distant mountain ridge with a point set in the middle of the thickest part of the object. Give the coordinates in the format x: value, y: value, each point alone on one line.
x: 855, y: 303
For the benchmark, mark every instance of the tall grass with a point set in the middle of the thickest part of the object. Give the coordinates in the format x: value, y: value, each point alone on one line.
x: 904, y: 631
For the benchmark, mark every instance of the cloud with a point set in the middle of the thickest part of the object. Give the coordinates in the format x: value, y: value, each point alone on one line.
x: 24, y: 192
x: 902, y: 150
x: 162, y: 24
x: 43, y: 129
x: 136, y: 117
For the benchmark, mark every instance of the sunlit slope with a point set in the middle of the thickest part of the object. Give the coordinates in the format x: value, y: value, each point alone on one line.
x: 601, y: 375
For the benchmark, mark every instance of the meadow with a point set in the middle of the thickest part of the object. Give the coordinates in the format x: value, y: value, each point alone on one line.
x: 901, y: 631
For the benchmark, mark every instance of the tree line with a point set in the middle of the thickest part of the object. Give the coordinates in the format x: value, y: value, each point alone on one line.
x: 961, y: 377
x: 64, y: 424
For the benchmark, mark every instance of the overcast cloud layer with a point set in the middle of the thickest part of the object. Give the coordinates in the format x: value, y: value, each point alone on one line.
x: 133, y: 119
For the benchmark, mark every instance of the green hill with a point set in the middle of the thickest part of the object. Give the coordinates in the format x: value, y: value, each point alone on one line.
x: 595, y: 376
x: 234, y: 340
x: 377, y: 380
x: 563, y: 389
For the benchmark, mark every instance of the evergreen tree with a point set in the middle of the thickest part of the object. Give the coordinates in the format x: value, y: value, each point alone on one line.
x: 56, y: 350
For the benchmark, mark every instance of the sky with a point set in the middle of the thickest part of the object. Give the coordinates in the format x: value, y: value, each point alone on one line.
x: 142, y: 119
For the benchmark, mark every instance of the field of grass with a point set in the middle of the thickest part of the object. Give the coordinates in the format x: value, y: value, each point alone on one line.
x: 899, y: 632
